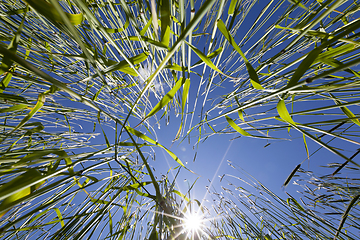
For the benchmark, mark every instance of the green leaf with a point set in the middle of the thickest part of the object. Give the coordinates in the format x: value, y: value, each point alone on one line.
x: 35, y: 109
x: 345, y: 215
x: 183, y: 196
x: 154, y: 235
x: 117, y: 30
x: 297, y: 205
x: 143, y: 31
x: 17, y: 11
x: 204, y: 58
x: 186, y: 89
x: 322, y: 35
x: 283, y: 112
x: 166, y: 99
x: 16, y: 107
x: 236, y: 127
x: 165, y: 22
x: 124, y: 66
x: 175, y: 67
x: 306, y: 147
x: 268, y: 237
x: 350, y: 115
x: 252, y: 73
x: 6, y: 80
x: 184, y: 34
x: 94, y: 200
x: 298, y: 3
x: 256, y: 85
x: 110, y: 223
x: 12, y: 98
x: 50, y: 12
x: 304, y: 66
x: 210, y: 56
x: 232, y: 7
x: 346, y: 111
x: 146, y: 138
x: 6, y: 61
x: 241, y: 115
x: 333, y: 52
x: 135, y: 186
x: 39, y: 155
x: 148, y: 40
x: 58, y: 213
x: 18, y: 188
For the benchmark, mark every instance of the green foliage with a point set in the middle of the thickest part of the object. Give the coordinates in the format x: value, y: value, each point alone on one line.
x: 83, y: 82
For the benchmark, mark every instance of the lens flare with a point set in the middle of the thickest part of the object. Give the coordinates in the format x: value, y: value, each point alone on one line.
x: 193, y: 222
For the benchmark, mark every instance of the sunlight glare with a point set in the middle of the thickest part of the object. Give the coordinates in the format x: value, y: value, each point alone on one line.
x: 193, y: 222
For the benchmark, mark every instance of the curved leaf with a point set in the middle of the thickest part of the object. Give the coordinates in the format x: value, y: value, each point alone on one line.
x: 252, y: 73
x: 283, y: 112
x: 236, y: 127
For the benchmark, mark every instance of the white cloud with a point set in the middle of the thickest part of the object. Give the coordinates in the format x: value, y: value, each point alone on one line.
x: 145, y: 71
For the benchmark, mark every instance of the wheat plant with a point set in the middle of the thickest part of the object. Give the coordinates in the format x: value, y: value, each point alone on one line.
x: 86, y: 84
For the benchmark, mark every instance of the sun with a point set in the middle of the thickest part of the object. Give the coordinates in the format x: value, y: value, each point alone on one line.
x: 193, y: 222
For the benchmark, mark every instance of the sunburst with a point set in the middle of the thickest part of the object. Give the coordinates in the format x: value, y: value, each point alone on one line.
x: 193, y: 222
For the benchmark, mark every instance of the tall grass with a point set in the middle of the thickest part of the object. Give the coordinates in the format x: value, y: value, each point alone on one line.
x: 82, y: 82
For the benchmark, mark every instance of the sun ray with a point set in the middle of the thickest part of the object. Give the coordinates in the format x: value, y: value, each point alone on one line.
x: 193, y: 222
x: 217, y: 170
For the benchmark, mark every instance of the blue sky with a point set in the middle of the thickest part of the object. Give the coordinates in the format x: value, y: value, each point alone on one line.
x: 269, y: 161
